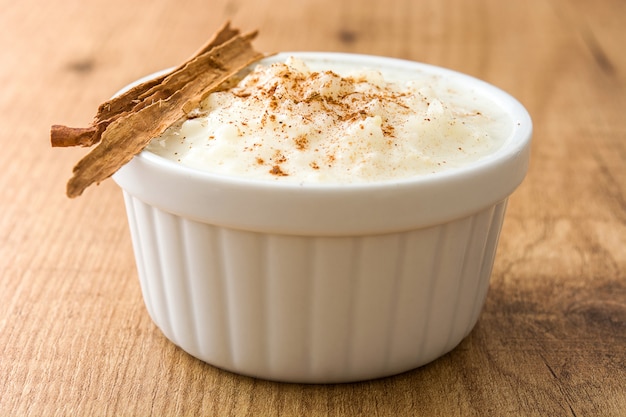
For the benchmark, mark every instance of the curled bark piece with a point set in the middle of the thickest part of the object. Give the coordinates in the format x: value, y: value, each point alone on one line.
x: 63, y: 136
x: 124, y: 125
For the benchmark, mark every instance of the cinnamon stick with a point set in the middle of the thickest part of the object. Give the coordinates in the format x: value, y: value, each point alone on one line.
x: 125, y: 125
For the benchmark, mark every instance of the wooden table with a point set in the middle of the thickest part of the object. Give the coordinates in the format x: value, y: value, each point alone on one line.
x: 75, y: 338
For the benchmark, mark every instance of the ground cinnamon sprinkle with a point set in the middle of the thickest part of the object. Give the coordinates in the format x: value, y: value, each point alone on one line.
x: 322, y: 125
x: 301, y: 142
x: 276, y: 170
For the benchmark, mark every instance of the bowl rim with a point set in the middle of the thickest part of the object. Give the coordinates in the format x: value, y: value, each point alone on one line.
x: 477, y: 184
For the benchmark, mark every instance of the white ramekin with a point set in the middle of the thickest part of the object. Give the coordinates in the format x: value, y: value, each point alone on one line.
x: 322, y: 283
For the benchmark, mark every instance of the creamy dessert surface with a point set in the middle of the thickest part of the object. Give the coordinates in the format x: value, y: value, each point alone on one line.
x: 319, y: 122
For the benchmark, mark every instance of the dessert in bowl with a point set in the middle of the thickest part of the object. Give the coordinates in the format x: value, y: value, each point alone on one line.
x: 299, y: 239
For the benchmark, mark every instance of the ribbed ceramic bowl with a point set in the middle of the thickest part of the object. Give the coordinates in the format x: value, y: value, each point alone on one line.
x: 322, y: 283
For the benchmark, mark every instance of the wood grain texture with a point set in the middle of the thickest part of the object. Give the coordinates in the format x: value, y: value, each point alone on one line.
x: 75, y: 338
